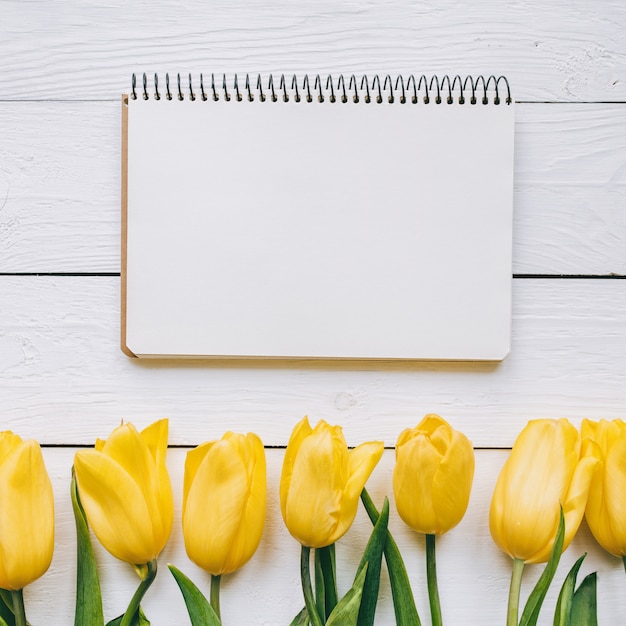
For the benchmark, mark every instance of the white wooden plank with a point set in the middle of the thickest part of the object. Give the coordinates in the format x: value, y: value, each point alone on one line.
x: 555, y: 50
x: 63, y: 377
x: 60, y: 188
x: 473, y: 574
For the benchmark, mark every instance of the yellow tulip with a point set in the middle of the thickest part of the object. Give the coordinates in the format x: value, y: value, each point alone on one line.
x: 224, y: 502
x: 548, y: 467
x: 321, y: 482
x: 433, y: 476
x: 606, y: 506
x: 26, y: 513
x: 125, y: 490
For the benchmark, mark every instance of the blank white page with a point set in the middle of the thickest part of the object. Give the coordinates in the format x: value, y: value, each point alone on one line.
x: 318, y: 230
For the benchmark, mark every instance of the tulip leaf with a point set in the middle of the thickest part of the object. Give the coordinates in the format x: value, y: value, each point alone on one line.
x: 584, y: 604
x: 403, y: 601
x: 301, y: 619
x: 538, y: 594
x: 346, y: 613
x: 564, y: 603
x: 325, y: 580
x: 201, y: 613
x: 6, y: 612
x: 372, y: 558
x: 88, y: 595
x: 139, y: 619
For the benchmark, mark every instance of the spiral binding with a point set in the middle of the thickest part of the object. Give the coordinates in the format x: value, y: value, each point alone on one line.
x: 375, y: 89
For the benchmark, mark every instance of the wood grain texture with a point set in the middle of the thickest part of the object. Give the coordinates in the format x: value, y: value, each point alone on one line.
x: 473, y: 573
x: 60, y: 188
x: 64, y: 377
x: 568, y: 51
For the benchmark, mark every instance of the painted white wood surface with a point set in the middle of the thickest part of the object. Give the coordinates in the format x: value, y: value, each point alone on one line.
x: 473, y: 573
x: 60, y: 188
x: 561, y: 50
x: 64, y: 381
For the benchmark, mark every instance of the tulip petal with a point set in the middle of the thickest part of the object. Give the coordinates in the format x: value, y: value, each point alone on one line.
x: 532, y: 483
x: 27, y: 520
x: 193, y: 460
x: 362, y: 461
x: 607, y: 524
x: 215, y: 501
x: 9, y: 442
x: 300, y: 432
x: 452, y: 483
x: 115, y: 507
x: 250, y: 529
x: 155, y: 437
x: 143, y: 457
x: 413, y: 477
x: 573, y: 506
x: 224, y: 510
x: 312, y: 504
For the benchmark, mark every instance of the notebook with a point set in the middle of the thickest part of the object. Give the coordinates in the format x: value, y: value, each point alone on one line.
x: 365, y: 217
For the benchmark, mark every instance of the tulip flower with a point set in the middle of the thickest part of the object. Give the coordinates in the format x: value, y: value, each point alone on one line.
x: 432, y: 481
x: 26, y: 517
x: 125, y: 490
x: 320, y: 485
x: 606, y: 505
x: 321, y: 482
x: 224, y: 504
x: 126, y: 494
x: 433, y: 476
x: 549, y: 468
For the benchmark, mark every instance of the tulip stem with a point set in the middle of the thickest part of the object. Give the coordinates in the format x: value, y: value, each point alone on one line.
x: 431, y: 577
x: 624, y: 561
x: 18, y: 607
x: 514, y: 591
x: 215, y: 594
x: 133, y: 607
x: 307, y: 588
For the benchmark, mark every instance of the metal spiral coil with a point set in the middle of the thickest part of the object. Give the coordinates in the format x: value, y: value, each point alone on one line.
x: 403, y: 90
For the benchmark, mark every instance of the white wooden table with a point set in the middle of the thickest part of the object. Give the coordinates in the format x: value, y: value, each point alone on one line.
x: 64, y: 381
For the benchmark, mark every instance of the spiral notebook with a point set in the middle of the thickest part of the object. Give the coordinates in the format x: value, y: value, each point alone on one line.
x: 365, y: 217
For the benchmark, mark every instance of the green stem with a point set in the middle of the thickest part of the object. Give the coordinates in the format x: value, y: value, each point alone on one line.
x: 18, y: 607
x: 215, y: 594
x: 307, y: 589
x: 431, y: 577
x: 133, y: 607
x: 624, y: 560
x: 516, y: 583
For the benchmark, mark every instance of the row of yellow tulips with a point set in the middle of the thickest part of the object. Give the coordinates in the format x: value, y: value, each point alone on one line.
x: 127, y: 497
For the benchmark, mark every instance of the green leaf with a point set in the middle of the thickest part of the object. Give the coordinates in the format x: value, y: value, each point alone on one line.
x: 372, y: 559
x: 6, y: 612
x: 584, y: 604
x: 301, y: 619
x: 325, y: 580
x: 564, y: 603
x: 346, y: 613
x: 88, y: 595
x: 201, y: 613
x: 538, y: 594
x: 403, y: 601
x: 138, y: 620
